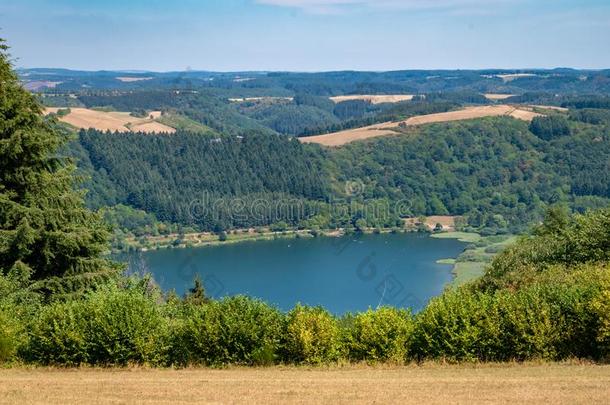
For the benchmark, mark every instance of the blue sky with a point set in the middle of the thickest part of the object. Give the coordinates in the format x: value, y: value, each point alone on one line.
x: 307, y: 35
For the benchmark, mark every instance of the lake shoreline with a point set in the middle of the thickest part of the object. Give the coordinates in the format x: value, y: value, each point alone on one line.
x: 471, y: 263
x: 206, y: 239
x: 466, y: 266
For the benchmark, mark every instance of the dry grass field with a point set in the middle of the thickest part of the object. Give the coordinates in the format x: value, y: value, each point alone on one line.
x: 269, y: 98
x: 441, y: 384
x: 390, y: 98
x: 112, y: 121
x: 127, y: 79
x: 549, y: 107
x: 514, y: 76
x: 447, y: 222
x: 389, y: 128
x: 495, y: 96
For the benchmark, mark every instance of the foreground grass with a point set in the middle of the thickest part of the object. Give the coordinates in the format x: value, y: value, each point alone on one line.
x: 496, y: 383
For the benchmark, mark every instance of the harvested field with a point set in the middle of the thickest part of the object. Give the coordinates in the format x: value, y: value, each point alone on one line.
x: 127, y: 79
x: 349, y: 135
x: 447, y: 222
x: 495, y: 383
x: 391, y: 128
x: 549, y: 107
x: 391, y: 98
x: 270, y: 98
x: 43, y: 84
x: 112, y: 121
x: 514, y: 76
x: 495, y: 96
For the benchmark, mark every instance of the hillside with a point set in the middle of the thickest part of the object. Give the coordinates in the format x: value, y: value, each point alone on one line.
x: 114, y: 121
x: 494, y: 171
x: 390, y: 128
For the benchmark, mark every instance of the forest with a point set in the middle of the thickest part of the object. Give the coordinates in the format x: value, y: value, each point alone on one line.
x: 499, y: 173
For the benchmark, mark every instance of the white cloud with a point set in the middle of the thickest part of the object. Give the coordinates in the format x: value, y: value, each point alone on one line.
x: 337, y: 6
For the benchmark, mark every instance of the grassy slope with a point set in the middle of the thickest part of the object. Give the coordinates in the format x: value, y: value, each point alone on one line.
x: 429, y: 383
x: 471, y: 263
x: 184, y: 123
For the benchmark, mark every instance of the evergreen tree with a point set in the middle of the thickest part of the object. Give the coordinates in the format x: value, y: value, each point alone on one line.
x: 196, y: 295
x: 46, y: 232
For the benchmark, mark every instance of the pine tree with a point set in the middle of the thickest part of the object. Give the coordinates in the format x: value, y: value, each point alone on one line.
x: 46, y: 231
x: 196, y: 295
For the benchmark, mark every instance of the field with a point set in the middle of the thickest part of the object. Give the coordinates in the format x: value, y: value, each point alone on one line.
x: 39, y: 85
x: 447, y: 221
x: 127, y: 79
x: 112, y: 121
x: 495, y: 96
x: 429, y: 383
x: 389, y: 128
x: 390, y: 98
x: 514, y: 76
x: 244, y: 99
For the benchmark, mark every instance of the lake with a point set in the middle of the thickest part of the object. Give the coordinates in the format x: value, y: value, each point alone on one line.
x: 350, y: 273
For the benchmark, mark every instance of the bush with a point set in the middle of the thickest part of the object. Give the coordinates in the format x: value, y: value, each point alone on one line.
x: 458, y: 326
x: 551, y: 322
x: 601, y: 307
x: 16, y: 304
x: 381, y: 335
x: 312, y: 336
x: 110, y: 327
x: 236, y: 330
x: 125, y: 327
x: 58, y: 335
x: 11, y: 334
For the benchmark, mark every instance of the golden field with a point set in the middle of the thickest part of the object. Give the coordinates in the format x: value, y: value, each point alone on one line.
x: 433, y: 383
x: 389, y: 128
x: 85, y: 118
x: 374, y: 99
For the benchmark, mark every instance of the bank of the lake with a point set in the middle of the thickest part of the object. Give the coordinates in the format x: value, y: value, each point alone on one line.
x: 480, y: 250
x: 202, y: 239
x: 348, y: 273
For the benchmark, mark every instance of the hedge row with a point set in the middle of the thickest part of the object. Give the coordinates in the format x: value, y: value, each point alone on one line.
x: 118, y: 326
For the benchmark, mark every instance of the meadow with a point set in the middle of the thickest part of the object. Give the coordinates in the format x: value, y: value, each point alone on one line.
x: 393, y: 128
x: 528, y: 383
x: 115, y: 121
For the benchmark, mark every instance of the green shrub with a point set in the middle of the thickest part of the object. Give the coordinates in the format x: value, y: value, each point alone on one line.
x: 110, y: 327
x: 125, y: 326
x: 458, y: 326
x: 16, y: 304
x: 600, y: 306
x: 381, y: 335
x: 236, y: 330
x: 58, y: 335
x: 550, y: 322
x: 312, y: 336
x: 11, y: 334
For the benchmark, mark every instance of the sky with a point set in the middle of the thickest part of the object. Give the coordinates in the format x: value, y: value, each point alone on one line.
x: 306, y: 35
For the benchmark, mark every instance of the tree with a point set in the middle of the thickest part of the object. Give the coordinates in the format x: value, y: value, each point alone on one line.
x: 196, y: 295
x: 550, y: 127
x: 46, y: 232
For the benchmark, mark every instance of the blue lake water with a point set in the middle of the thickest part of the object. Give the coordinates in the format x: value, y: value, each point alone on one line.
x: 350, y: 273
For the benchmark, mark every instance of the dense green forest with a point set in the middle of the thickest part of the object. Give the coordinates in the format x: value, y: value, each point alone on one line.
x: 549, y: 81
x: 498, y: 172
